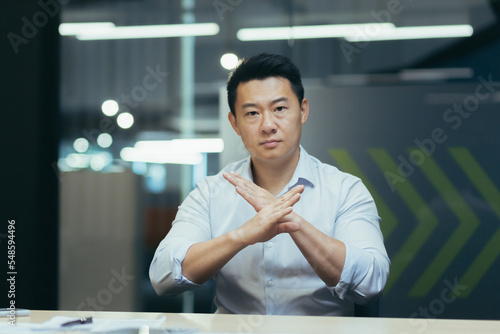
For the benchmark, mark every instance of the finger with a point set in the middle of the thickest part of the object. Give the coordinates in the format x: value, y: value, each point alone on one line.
x: 230, y: 178
x: 288, y: 227
x: 295, y: 190
x: 289, y: 200
x: 282, y: 212
x: 235, y: 176
x: 277, y: 210
x: 239, y: 181
x: 294, y: 199
x: 239, y: 187
x: 300, y: 188
x: 244, y: 192
x: 245, y: 183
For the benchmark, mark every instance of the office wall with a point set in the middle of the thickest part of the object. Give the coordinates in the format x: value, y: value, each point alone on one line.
x: 430, y: 165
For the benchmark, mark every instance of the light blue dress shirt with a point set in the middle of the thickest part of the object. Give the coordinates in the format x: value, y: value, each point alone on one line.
x: 274, y: 277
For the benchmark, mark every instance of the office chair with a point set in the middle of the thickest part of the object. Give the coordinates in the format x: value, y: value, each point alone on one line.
x: 371, y: 310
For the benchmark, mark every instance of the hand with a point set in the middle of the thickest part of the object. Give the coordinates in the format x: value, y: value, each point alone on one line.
x: 255, y: 195
x: 267, y: 223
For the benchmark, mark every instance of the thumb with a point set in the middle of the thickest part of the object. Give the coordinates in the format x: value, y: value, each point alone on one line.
x: 288, y: 227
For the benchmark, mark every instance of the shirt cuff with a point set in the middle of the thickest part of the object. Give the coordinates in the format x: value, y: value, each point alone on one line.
x: 176, y: 260
x: 356, y: 265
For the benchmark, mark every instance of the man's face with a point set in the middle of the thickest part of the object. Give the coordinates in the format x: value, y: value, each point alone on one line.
x: 269, y: 118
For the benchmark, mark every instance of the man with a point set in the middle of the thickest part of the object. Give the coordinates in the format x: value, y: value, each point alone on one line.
x: 280, y: 232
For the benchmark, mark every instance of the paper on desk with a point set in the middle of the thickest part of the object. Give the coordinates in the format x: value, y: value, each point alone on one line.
x: 98, y: 325
x: 102, y: 325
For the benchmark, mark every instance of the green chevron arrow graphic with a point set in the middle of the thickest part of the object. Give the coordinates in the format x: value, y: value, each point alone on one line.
x: 426, y: 221
x: 347, y: 164
x: 486, y: 187
x: 468, y: 222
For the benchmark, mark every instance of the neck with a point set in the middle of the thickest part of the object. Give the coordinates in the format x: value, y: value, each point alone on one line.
x: 274, y: 175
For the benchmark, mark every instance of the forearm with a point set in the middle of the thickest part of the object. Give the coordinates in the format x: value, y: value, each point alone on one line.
x: 204, y: 259
x: 325, y: 254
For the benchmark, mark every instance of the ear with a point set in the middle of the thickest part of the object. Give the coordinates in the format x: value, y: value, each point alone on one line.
x: 234, y: 122
x: 304, y: 111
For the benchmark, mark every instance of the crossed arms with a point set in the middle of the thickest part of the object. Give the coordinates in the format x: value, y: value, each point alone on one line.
x: 325, y: 254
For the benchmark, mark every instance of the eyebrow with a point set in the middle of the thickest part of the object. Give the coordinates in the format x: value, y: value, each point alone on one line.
x: 253, y: 105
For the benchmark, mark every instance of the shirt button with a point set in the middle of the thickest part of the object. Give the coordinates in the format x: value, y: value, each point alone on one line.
x: 269, y: 245
x: 270, y: 283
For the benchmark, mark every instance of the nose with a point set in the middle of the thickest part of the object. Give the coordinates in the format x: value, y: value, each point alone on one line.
x: 268, y: 123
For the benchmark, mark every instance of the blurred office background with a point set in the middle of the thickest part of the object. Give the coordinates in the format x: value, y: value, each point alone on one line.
x: 404, y: 94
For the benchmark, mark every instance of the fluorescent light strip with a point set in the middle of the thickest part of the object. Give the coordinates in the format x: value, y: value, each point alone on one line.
x: 149, y: 31
x: 355, y: 32
x: 306, y: 32
x: 424, y: 32
x: 154, y: 156
x: 177, y: 151
x: 183, y: 146
x: 436, y: 74
x: 72, y: 29
x: 77, y: 160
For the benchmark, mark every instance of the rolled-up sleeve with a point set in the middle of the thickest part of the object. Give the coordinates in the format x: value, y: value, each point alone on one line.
x: 366, y: 266
x: 191, y: 225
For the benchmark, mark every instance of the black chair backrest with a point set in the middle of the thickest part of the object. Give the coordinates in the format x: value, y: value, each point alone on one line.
x: 368, y: 311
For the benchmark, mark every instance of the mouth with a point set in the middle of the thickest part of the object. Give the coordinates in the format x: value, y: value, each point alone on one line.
x: 270, y: 143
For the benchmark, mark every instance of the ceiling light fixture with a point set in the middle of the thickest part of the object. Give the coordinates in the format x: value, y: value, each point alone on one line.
x: 229, y: 61
x: 306, y: 32
x: 107, y: 30
x: 72, y: 29
x: 423, y: 32
x: 140, y: 155
x: 176, y: 151
x: 110, y: 107
x: 125, y: 120
x: 355, y: 32
x: 178, y: 146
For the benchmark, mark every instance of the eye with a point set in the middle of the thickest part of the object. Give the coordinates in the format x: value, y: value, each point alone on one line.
x: 280, y: 108
x: 252, y: 113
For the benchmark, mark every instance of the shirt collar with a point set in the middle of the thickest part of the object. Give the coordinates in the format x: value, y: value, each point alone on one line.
x: 246, y: 170
x: 304, y: 172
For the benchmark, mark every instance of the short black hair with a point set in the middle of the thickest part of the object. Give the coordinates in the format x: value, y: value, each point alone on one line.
x: 260, y: 67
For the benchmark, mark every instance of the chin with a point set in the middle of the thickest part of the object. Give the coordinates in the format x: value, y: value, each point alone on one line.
x: 273, y: 154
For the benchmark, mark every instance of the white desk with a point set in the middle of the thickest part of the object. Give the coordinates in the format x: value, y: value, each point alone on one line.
x: 291, y: 324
